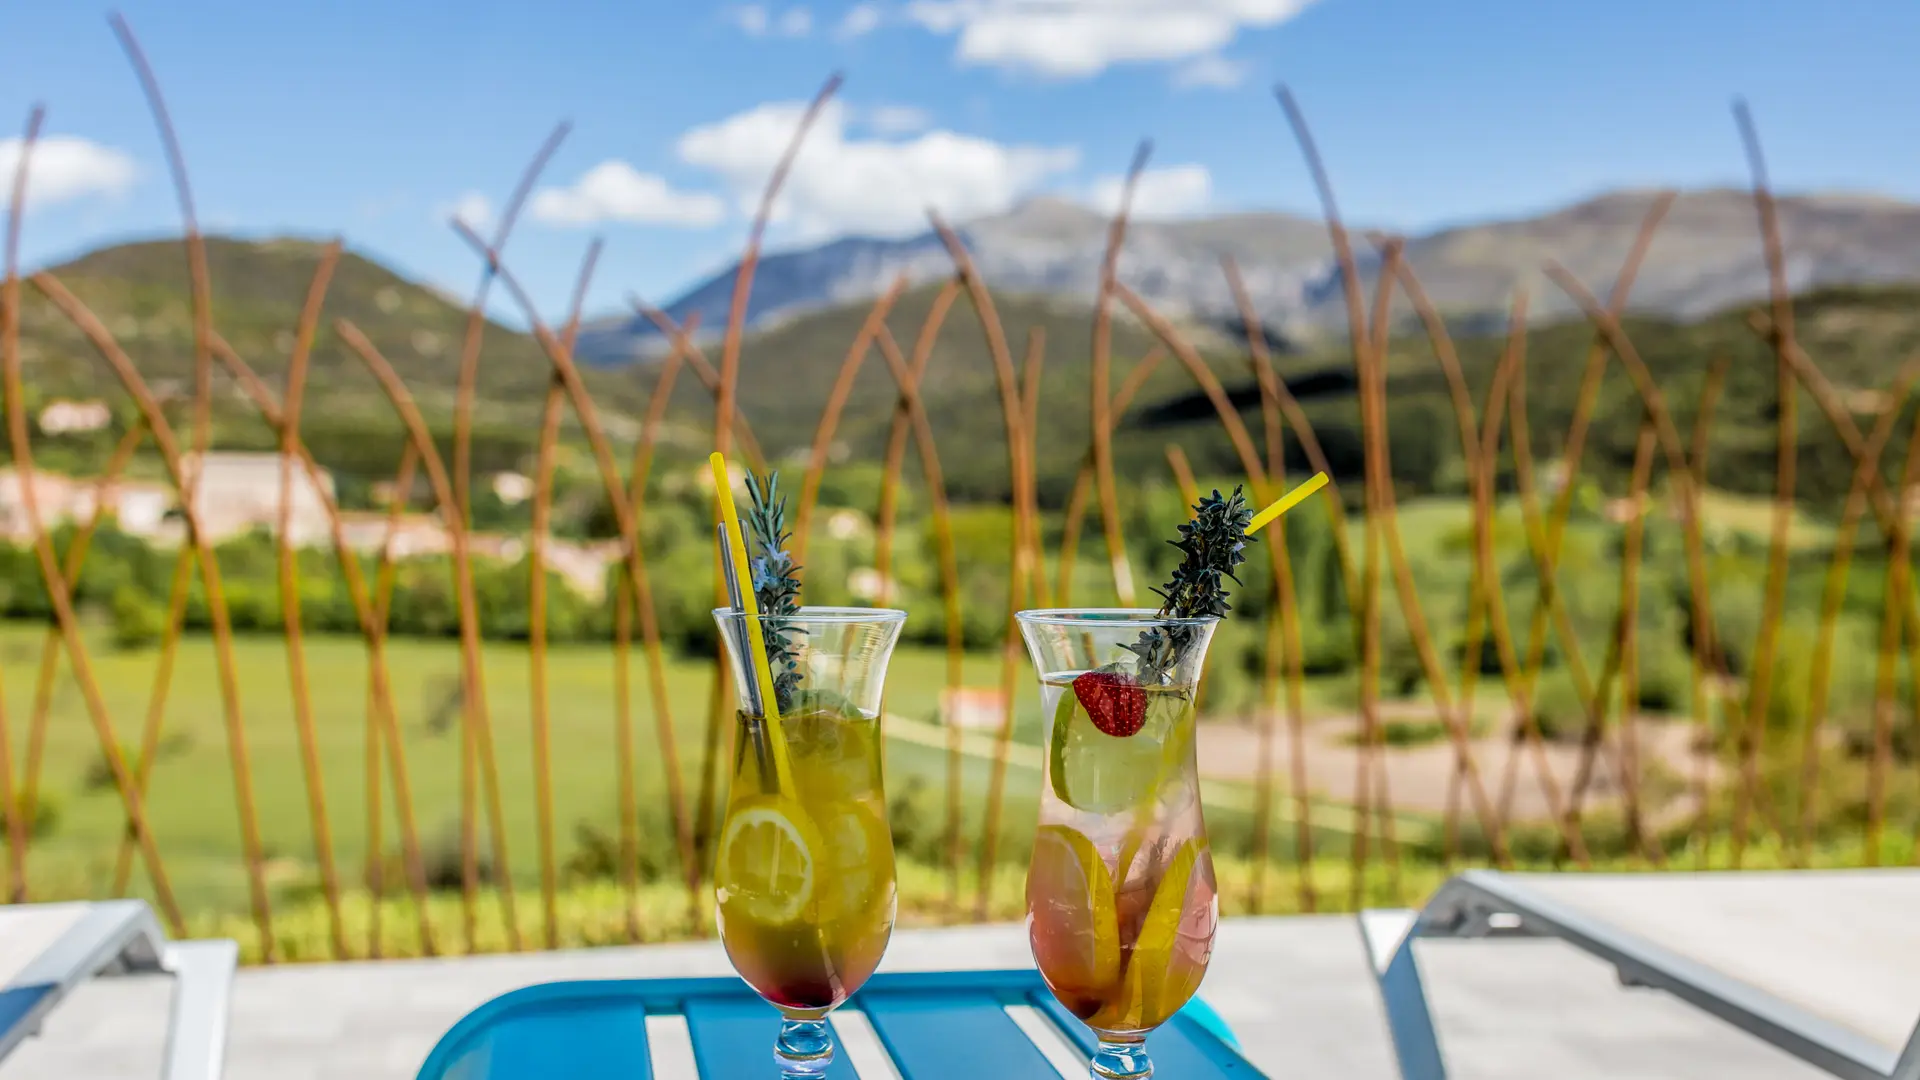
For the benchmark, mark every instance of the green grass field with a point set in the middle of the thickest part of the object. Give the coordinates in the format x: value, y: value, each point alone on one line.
x: 192, y: 805
x: 192, y: 801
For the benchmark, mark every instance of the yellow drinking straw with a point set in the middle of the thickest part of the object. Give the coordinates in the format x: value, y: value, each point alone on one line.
x: 1286, y: 502
x: 750, y: 606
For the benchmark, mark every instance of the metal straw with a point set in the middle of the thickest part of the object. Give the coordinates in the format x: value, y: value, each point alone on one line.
x: 762, y: 751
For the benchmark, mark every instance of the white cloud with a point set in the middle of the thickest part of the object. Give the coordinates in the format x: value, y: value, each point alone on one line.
x: 1080, y: 38
x: 797, y: 22
x: 472, y: 207
x: 898, y: 119
x: 869, y: 186
x: 1161, y: 193
x: 65, y: 168
x: 752, y: 19
x: 755, y: 20
x: 616, y: 191
x: 1211, y: 70
x: 859, y: 21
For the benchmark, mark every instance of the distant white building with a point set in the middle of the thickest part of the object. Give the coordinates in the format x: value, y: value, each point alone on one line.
x: 63, y: 417
x: 139, y: 507
x: 512, y: 488
x: 978, y: 708
x: 237, y: 493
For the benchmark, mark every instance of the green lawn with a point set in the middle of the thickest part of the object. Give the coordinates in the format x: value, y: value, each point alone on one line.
x: 192, y: 802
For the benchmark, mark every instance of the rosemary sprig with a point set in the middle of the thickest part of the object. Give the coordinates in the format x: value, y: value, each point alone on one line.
x: 776, y: 583
x: 1212, y: 544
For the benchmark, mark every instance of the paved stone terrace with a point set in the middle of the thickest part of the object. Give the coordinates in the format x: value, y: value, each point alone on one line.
x: 1296, y: 990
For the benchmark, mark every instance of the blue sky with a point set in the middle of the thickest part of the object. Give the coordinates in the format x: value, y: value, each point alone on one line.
x: 376, y: 120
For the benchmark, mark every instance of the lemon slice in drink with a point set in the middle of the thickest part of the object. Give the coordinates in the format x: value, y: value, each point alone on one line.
x: 769, y: 861
x: 1076, y: 936
x: 1149, y: 977
x: 858, y: 853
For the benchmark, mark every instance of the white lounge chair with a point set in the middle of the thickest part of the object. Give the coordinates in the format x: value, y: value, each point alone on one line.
x: 1824, y: 965
x: 46, y: 950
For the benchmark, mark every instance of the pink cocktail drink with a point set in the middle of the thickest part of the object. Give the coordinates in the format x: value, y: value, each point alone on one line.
x: 1121, y: 898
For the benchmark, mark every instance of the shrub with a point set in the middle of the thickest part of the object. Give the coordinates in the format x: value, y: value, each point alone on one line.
x: 42, y: 815
x: 138, y: 620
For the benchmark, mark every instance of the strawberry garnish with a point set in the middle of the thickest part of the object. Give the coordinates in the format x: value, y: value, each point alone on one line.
x: 1114, y: 702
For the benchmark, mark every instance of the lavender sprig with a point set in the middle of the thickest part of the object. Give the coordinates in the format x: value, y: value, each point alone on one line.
x: 1212, y: 544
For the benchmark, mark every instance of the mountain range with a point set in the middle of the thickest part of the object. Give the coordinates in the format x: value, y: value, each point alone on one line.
x: 1706, y: 256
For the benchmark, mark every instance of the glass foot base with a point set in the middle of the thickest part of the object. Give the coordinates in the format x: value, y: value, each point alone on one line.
x: 804, y: 1049
x: 1116, y: 1060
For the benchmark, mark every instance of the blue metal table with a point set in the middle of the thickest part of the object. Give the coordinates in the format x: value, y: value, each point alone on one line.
x: 932, y: 1026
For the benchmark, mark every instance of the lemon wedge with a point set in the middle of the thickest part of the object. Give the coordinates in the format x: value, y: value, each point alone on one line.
x: 1075, y: 929
x: 1149, y: 975
x: 768, y: 862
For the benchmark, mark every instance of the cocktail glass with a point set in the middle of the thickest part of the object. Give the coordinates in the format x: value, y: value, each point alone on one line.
x: 1121, y: 899
x: 804, y: 875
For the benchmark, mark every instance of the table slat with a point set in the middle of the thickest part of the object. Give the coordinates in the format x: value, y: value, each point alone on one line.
x: 942, y: 1035
x: 733, y: 1036
x: 1180, y: 1047
x: 598, y: 1040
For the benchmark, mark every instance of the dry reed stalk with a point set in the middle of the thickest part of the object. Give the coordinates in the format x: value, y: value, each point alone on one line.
x: 627, y: 782
x: 1833, y: 597
x: 1760, y: 679
x: 1035, y: 359
x: 888, y: 509
x: 469, y: 377
x: 537, y: 612
x: 1183, y: 474
x: 18, y: 838
x: 1555, y: 614
x: 1083, y: 480
x: 1899, y: 575
x: 202, y: 300
x: 708, y: 375
x: 830, y: 415
x: 908, y: 378
x: 1102, y: 419
x: 1380, y: 516
x: 1886, y: 512
x: 1264, y: 487
x: 625, y: 521
x: 1208, y: 382
x: 18, y: 815
x: 370, y: 613
x: 1489, y: 578
x: 1680, y: 470
x: 624, y: 518
x: 1277, y: 402
x: 1367, y: 628
x: 150, y: 731
x: 1629, y: 646
x: 1282, y: 627
x: 1466, y: 771
x: 103, y: 342
x: 462, y: 518
x: 725, y: 399
x: 473, y: 704
x: 1701, y: 655
x: 1020, y: 466
x: 1546, y: 609
x: 289, y: 569
x: 376, y: 871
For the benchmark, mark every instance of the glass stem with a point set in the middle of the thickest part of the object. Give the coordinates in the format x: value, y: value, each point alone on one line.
x: 1121, y: 1059
x: 804, y: 1049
